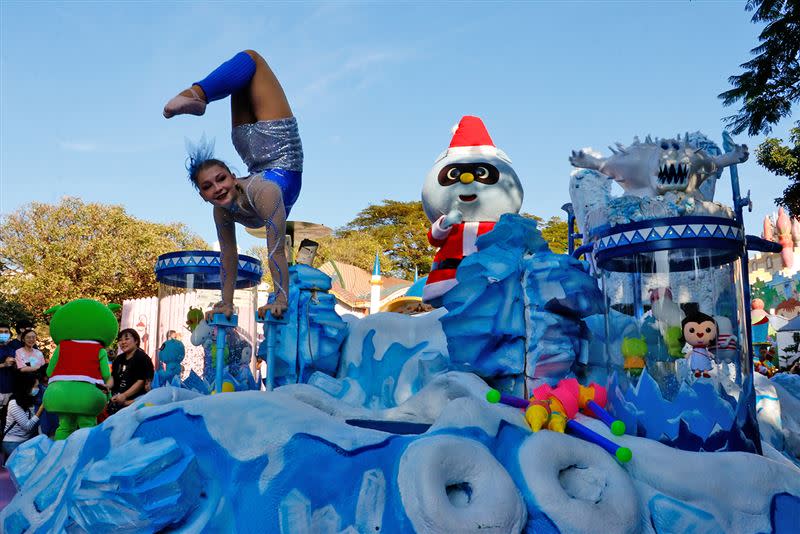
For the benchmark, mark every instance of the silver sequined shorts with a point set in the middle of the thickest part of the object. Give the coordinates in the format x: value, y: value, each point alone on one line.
x: 269, y: 145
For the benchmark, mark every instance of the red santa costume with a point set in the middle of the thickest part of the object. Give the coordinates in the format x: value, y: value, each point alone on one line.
x: 462, y: 198
x: 455, y: 243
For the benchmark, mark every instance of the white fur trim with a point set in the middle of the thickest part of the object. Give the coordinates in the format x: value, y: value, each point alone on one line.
x: 434, y: 290
x: 76, y: 378
x: 437, y: 231
x: 483, y: 150
x: 470, y: 237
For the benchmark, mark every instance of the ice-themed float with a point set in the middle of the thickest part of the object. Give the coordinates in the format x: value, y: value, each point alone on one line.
x: 670, y: 260
x: 188, y: 283
x: 382, y: 424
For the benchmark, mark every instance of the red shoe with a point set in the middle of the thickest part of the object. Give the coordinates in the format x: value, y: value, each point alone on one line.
x: 706, y: 375
x: 697, y: 374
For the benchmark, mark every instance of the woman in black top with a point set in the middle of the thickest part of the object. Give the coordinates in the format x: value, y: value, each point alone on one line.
x: 131, y: 370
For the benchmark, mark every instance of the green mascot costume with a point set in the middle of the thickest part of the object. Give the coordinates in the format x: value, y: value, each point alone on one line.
x: 79, y: 367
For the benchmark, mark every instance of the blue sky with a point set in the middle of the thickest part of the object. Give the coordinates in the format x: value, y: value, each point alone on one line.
x: 376, y: 89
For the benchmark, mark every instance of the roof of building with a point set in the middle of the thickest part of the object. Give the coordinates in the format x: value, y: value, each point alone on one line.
x: 351, y: 283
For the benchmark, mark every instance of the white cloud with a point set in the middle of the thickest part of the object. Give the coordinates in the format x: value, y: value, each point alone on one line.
x: 356, y: 68
x: 78, y: 146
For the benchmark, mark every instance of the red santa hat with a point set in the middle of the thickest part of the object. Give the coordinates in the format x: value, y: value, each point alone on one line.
x: 470, y: 138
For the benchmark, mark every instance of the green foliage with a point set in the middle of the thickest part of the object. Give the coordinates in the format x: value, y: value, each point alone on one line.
x: 15, y: 314
x: 768, y: 88
x: 262, y: 253
x: 770, y: 296
x: 358, y: 248
x: 51, y: 254
x: 770, y: 83
x: 555, y: 232
x: 784, y: 160
x: 398, y: 231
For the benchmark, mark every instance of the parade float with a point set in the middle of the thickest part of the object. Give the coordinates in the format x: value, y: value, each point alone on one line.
x: 469, y: 418
x: 188, y: 284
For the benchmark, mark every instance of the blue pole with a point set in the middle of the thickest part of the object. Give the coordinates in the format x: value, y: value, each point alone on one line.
x: 221, y: 334
x: 269, y: 326
x: 738, y: 204
x: 570, y: 228
x: 617, y: 427
x: 623, y: 454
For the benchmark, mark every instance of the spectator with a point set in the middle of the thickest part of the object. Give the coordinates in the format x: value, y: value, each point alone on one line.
x: 48, y: 422
x: 16, y: 342
x: 131, y: 371
x: 22, y: 418
x: 29, y: 359
x: 7, y: 368
x: 262, y: 373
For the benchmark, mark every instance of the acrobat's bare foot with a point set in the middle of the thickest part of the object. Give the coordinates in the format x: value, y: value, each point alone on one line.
x: 191, y: 101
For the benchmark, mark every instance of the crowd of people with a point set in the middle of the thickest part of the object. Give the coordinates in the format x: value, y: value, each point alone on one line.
x: 24, y: 375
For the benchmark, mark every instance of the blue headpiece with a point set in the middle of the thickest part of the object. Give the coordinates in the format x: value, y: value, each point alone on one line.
x: 198, y: 154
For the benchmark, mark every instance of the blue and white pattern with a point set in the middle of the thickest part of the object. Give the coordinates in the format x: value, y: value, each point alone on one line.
x: 618, y: 236
x: 174, y: 269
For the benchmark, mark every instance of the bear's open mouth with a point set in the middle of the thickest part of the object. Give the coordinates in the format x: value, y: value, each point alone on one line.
x: 467, y: 198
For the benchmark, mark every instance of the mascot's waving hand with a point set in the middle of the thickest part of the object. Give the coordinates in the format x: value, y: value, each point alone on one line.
x: 469, y: 187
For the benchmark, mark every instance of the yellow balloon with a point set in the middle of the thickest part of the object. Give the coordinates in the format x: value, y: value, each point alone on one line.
x: 227, y: 387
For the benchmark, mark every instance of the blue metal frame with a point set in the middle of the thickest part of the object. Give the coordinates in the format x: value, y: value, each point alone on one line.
x: 270, y: 333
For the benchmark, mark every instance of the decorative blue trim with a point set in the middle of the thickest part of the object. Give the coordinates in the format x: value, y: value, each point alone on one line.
x: 702, y: 232
x: 173, y: 269
x: 732, y: 248
x: 607, y: 229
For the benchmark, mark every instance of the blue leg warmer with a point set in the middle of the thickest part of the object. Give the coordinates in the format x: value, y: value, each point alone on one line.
x: 228, y: 77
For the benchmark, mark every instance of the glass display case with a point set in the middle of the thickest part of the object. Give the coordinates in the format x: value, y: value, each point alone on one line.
x: 189, y: 285
x: 677, y: 348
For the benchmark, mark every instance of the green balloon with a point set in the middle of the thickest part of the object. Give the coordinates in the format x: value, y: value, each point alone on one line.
x: 493, y: 396
x: 624, y: 454
x: 617, y: 428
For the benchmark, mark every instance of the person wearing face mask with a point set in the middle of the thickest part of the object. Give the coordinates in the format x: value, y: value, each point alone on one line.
x: 22, y: 418
x: 7, y: 364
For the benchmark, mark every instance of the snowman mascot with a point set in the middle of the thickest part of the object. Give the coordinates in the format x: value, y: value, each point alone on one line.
x: 469, y: 187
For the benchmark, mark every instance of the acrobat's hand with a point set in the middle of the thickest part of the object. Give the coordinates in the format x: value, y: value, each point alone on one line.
x: 454, y: 217
x: 220, y: 307
x: 275, y: 308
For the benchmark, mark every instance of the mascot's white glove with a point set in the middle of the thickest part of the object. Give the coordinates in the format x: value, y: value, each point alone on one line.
x: 454, y: 217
